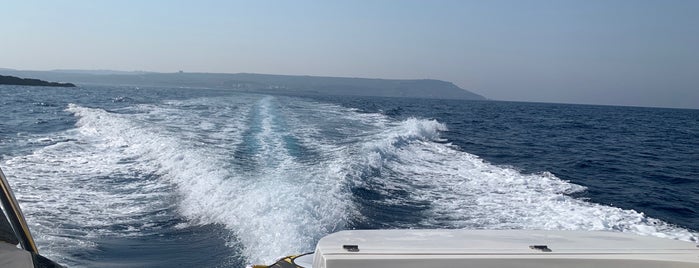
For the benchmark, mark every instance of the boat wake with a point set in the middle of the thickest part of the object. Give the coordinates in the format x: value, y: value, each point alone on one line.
x: 279, y: 173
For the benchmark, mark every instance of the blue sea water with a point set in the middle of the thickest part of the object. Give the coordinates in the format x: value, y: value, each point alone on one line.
x: 172, y: 177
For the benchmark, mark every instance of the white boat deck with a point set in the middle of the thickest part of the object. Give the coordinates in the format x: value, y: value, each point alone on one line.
x: 500, y: 248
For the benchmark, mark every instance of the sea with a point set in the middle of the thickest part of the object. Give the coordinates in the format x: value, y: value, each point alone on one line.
x: 122, y: 176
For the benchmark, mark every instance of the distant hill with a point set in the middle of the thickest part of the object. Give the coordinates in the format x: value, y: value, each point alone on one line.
x: 99, y: 72
x: 12, y: 80
x: 421, y: 88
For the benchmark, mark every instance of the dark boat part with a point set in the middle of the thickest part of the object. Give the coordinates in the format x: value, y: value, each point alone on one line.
x: 285, y: 262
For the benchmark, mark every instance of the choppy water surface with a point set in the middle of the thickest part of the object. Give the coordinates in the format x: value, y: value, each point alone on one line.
x: 117, y: 176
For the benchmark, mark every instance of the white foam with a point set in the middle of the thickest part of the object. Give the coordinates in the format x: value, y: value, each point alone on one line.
x: 284, y: 205
x: 69, y: 193
x: 105, y: 177
x: 463, y: 190
x: 466, y: 192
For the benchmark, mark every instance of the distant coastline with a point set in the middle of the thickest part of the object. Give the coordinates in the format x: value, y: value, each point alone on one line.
x: 263, y: 83
x: 13, y: 80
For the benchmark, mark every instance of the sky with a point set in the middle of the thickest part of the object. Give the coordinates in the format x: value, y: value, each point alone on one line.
x: 613, y: 52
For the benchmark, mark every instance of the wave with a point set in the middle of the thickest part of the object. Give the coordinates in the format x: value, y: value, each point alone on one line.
x: 88, y: 185
x: 454, y: 189
x: 281, y: 173
x: 283, y: 206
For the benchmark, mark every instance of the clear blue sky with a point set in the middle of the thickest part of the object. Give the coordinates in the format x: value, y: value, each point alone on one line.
x: 604, y: 52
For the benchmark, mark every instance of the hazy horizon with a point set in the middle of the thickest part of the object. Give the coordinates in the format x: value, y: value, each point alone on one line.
x: 634, y: 53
